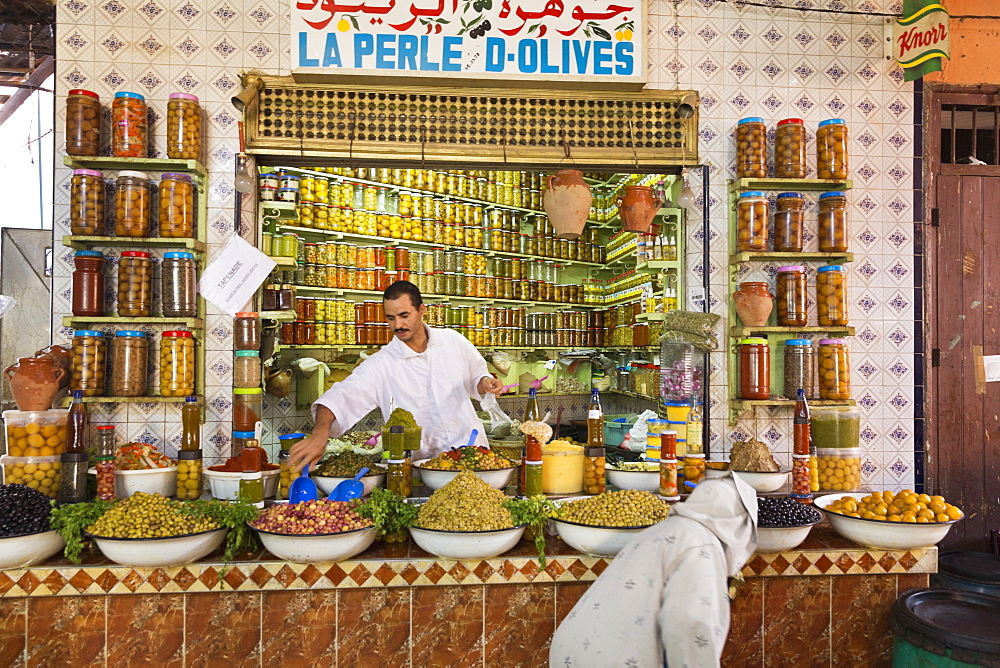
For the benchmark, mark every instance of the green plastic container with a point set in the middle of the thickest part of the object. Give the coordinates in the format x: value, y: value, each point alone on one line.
x: 614, y: 432
x: 944, y: 627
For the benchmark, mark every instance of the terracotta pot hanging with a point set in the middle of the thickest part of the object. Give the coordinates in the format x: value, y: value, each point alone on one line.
x: 637, y: 208
x: 754, y: 302
x: 34, y: 382
x: 567, y: 202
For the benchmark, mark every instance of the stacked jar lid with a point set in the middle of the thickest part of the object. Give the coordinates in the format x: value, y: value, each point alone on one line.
x: 247, y: 392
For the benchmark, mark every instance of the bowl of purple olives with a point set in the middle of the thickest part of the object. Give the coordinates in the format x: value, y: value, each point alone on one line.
x: 783, y: 523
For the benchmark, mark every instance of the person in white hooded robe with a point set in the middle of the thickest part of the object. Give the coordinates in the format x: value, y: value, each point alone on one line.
x: 664, y: 600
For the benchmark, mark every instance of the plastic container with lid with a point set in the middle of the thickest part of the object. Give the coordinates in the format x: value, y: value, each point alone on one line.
x: 788, y: 223
x: 83, y: 123
x: 790, y: 284
x: 834, y: 369
x: 86, y: 204
x: 832, y: 220
x: 831, y: 149
x: 751, y: 221
x: 246, y: 331
x: 831, y: 295
x: 790, y: 149
x: 800, y: 368
x: 754, y: 369
x: 839, y: 469
x: 247, y: 407
x: 132, y: 204
x: 751, y: 148
x: 128, y: 125
x: 240, y: 440
x: 246, y: 368
x: 88, y: 283
x: 562, y: 468
x: 41, y: 473
x: 179, y: 285
x: 129, y: 355
x: 135, y: 284
x: 835, y: 426
x: 36, y: 433
x: 90, y: 355
x: 177, y: 364
x: 177, y: 213
x: 183, y: 127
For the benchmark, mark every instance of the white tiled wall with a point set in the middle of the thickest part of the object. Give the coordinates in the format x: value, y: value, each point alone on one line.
x: 774, y: 62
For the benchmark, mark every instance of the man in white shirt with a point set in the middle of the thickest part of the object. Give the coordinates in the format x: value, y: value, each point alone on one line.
x: 427, y: 371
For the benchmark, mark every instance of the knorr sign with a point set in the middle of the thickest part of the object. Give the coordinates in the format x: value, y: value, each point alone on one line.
x: 921, y: 39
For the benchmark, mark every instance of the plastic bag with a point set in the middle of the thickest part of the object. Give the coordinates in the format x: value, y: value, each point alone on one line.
x: 500, y: 423
x: 635, y: 439
x: 6, y: 304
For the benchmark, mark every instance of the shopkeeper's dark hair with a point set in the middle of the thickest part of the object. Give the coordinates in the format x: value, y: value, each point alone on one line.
x: 400, y: 288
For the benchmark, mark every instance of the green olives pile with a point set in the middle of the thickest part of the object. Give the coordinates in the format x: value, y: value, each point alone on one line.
x: 148, y: 516
x: 624, y: 508
x: 345, y: 465
x: 465, y: 504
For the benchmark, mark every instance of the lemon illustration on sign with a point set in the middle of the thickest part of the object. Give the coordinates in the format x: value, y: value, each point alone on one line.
x: 624, y: 35
x: 343, y: 25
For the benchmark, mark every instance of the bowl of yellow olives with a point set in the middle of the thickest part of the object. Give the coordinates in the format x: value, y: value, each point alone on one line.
x: 888, y: 520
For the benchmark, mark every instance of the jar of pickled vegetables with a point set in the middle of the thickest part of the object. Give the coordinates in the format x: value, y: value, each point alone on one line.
x: 791, y: 297
x: 86, y: 206
x: 751, y: 148
x: 177, y: 212
x: 83, y: 123
x: 89, y: 350
x: 183, y: 127
x: 135, y: 284
x: 751, y: 221
x: 129, y: 351
x: 132, y: 204
x: 790, y: 149
x: 788, y: 223
x: 833, y: 222
x: 128, y: 125
x: 177, y: 364
x: 831, y: 149
x: 831, y: 295
x: 834, y: 369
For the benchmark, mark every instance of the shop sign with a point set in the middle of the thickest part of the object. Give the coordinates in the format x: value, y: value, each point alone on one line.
x: 541, y: 40
x: 921, y: 39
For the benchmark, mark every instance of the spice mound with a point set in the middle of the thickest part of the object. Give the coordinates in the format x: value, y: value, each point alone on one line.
x: 149, y: 516
x: 23, y: 510
x: 465, y: 504
x: 401, y: 418
x: 140, y: 456
x: 623, y: 508
x: 471, y: 458
x: 321, y: 516
x: 346, y: 465
x: 752, y: 455
x: 777, y: 511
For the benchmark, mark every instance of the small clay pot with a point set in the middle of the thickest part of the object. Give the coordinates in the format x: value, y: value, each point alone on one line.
x: 637, y: 208
x: 754, y: 303
x: 567, y: 202
x: 34, y: 382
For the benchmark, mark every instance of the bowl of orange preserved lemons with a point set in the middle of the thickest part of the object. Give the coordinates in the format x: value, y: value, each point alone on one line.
x: 888, y: 520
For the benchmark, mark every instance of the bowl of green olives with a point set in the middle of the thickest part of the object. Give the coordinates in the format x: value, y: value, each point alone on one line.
x: 160, y: 552
x: 601, y: 525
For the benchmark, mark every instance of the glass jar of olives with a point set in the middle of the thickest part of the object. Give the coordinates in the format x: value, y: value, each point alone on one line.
x: 129, y: 351
x: 135, y: 284
x: 177, y: 364
x: 86, y: 206
x: 751, y: 221
x: 833, y: 222
x: 183, y: 126
x: 790, y: 149
x: 83, y: 123
x: 831, y: 295
x: 132, y: 204
x: 831, y: 149
x: 751, y: 148
x: 176, y: 206
x: 89, y: 350
x: 834, y: 369
x: 788, y: 223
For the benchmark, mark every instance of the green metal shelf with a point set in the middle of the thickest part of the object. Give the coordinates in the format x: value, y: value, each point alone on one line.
x: 190, y: 323
x: 740, y: 331
x: 281, y: 316
x: 139, y: 164
x: 84, y: 242
x: 66, y: 401
x: 761, y: 256
x: 790, y: 184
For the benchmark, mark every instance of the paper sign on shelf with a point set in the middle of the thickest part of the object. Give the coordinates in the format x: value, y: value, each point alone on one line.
x: 232, y: 278
x: 991, y: 364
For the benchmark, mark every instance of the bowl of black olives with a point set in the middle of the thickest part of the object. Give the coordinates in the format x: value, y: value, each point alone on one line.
x: 783, y: 523
x: 25, y: 535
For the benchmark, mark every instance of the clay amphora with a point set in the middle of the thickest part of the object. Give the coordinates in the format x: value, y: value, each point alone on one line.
x: 278, y: 382
x: 62, y: 358
x: 567, y: 202
x: 637, y: 208
x: 34, y: 382
x: 754, y: 302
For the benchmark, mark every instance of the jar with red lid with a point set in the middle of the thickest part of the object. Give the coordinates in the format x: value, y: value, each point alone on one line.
x: 176, y: 206
x: 831, y: 295
x: 86, y: 205
x: 834, y: 369
x: 791, y: 289
x: 135, y: 284
x: 247, y: 331
x: 751, y: 221
x: 790, y: 149
x: 751, y: 148
x: 128, y: 125
x: 183, y: 127
x: 132, y: 204
x: 831, y: 149
x: 83, y: 123
x: 832, y: 220
x: 177, y: 364
x: 788, y: 223
x: 754, y: 369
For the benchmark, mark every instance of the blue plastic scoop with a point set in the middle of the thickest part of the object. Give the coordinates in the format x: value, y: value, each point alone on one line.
x: 350, y: 489
x: 472, y: 438
x: 302, y: 488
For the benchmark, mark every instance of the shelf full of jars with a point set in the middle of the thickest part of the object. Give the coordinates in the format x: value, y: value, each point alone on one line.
x: 772, y: 331
x: 156, y: 312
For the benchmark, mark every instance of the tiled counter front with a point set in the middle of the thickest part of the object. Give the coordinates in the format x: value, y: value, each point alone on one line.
x: 818, y: 605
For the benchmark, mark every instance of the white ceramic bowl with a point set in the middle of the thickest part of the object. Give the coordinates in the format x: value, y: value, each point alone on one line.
x: 764, y: 482
x: 779, y: 539
x: 226, y: 485
x: 716, y: 473
x: 466, y: 544
x: 150, y: 481
x: 32, y: 548
x: 596, y: 541
x: 436, y: 478
x: 326, y: 484
x: 646, y: 481
x: 883, y: 534
x: 161, y: 552
x: 323, y: 547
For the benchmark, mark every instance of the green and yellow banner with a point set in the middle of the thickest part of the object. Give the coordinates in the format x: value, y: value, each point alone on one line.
x: 921, y: 38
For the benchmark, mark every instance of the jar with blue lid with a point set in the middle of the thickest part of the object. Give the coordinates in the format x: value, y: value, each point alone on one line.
x: 832, y: 219
x: 799, y: 368
x: 831, y: 149
x: 129, y: 128
x: 88, y: 283
x: 179, y: 285
x: 129, y: 356
x: 751, y: 148
x: 831, y: 295
x: 89, y: 351
x: 751, y: 221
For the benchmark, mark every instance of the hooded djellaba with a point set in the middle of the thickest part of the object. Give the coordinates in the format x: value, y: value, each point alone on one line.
x: 664, y: 600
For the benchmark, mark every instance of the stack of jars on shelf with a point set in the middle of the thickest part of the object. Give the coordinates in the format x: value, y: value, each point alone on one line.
x: 626, y: 286
x: 805, y: 366
x: 752, y: 216
x: 132, y: 205
x: 247, y: 392
x: 790, y: 149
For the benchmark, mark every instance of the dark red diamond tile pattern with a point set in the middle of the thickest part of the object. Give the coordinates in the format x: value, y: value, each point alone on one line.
x: 866, y: 562
x: 384, y: 574
x: 81, y: 580
x: 335, y: 575
x: 801, y: 564
x: 844, y: 562
x: 209, y: 577
x: 5, y: 583
x: 484, y: 571
x: 107, y: 580
x: 887, y: 562
x: 435, y: 573
x: 28, y: 582
x: 599, y: 566
x: 234, y: 577
x: 908, y: 561
x: 824, y: 564
x: 185, y: 579
x: 310, y: 575
x: 261, y: 576
x: 780, y: 565
x: 360, y: 574
x: 54, y: 581
x: 159, y: 579
x: 459, y: 572
x: 578, y: 569
x: 410, y: 573
x: 132, y: 581
x: 286, y: 576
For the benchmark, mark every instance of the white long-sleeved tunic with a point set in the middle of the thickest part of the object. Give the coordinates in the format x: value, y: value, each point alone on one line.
x: 434, y: 385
